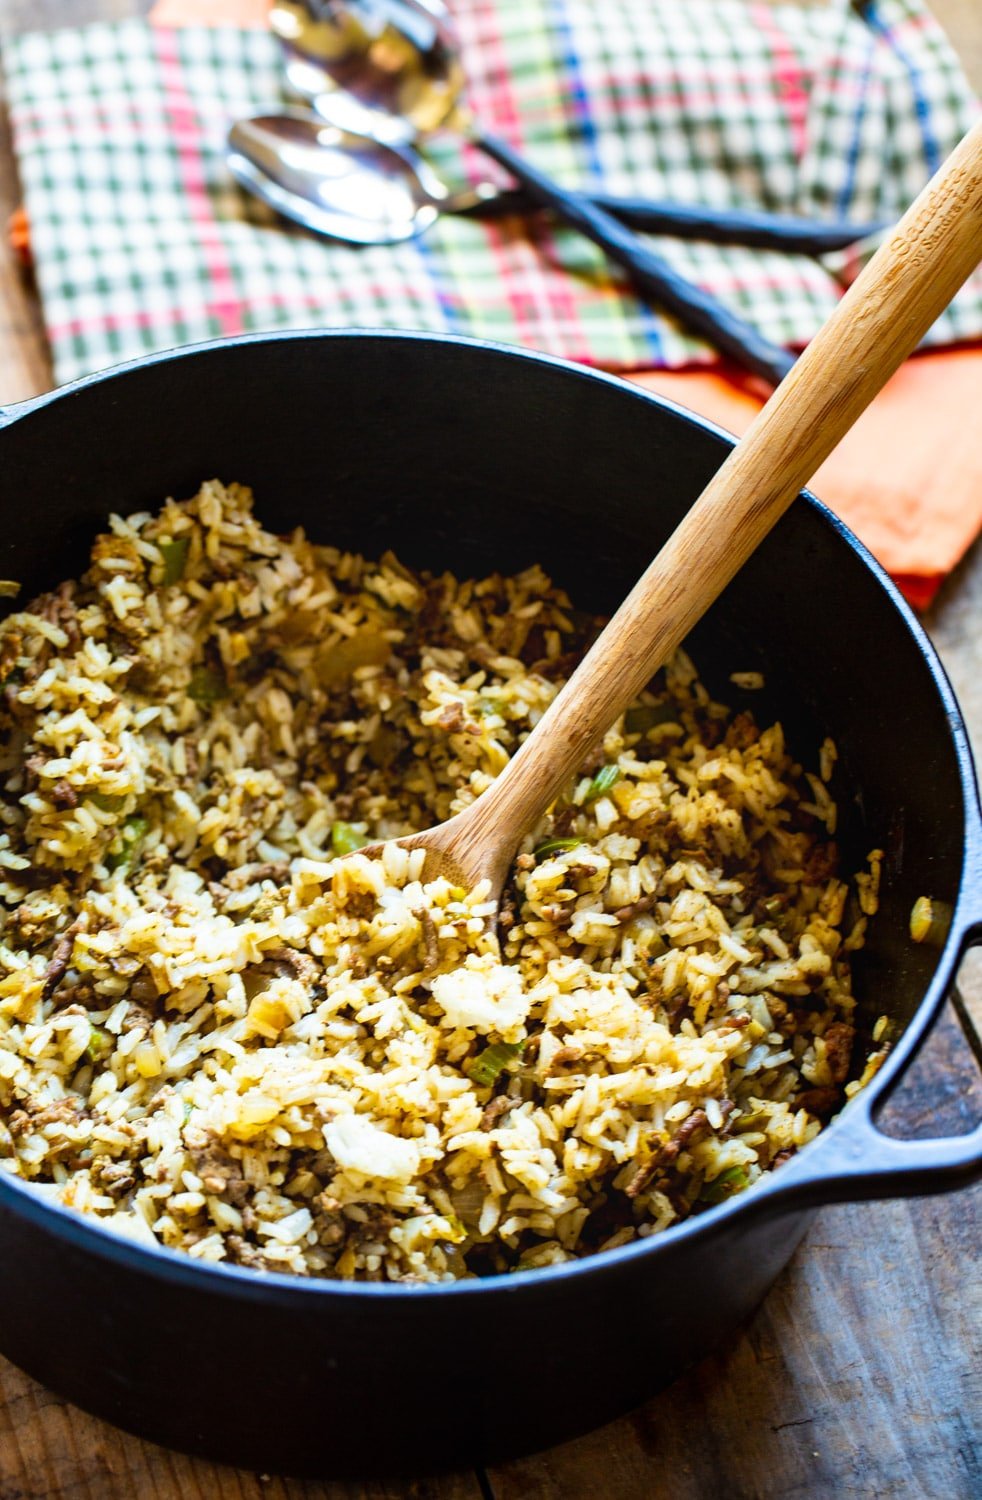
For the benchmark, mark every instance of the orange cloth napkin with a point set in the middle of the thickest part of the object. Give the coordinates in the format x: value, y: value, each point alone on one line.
x: 907, y: 479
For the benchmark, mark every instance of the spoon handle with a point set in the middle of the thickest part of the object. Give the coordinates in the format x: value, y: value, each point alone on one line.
x: 695, y: 221
x: 879, y: 321
x: 697, y: 309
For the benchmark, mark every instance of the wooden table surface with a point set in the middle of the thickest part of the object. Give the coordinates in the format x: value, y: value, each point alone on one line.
x: 858, y: 1377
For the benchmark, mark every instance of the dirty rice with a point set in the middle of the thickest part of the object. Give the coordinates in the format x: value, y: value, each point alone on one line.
x: 217, y: 1036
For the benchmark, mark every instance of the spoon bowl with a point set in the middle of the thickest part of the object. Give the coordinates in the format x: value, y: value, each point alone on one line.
x: 347, y: 186
x: 392, y: 70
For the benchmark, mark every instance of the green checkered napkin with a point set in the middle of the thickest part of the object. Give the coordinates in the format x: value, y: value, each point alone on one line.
x: 142, y: 240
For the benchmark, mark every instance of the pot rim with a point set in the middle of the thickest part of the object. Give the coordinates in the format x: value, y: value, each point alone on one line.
x: 235, y: 1282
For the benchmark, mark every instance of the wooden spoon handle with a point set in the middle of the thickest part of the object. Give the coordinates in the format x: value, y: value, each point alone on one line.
x: 909, y: 281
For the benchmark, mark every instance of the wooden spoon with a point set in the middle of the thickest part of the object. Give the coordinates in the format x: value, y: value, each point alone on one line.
x: 879, y: 321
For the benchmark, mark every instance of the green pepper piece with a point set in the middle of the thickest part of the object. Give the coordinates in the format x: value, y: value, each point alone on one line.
x: 175, y: 555
x: 554, y: 846
x: 101, y: 1043
x: 606, y: 778
x: 132, y: 834
x: 105, y: 801
x: 484, y: 1069
x: 345, y: 839
x: 207, y: 685
x: 644, y: 716
x: 733, y: 1180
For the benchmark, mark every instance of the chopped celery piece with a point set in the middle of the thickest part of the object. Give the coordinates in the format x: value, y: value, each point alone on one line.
x: 644, y: 716
x: 554, y: 846
x: 733, y: 1180
x: 101, y: 1043
x: 207, y: 685
x: 345, y: 839
x: 132, y: 834
x: 606, y: 778
x: 175, y: 555
x: 488, y: 1064
x: 104, y: 801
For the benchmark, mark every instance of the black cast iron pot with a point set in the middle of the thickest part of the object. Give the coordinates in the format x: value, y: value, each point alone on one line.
x: 468, y: 457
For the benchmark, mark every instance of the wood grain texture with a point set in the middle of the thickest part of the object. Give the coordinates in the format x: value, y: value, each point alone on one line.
x: 858, y: 1377
x: 51, y: 1451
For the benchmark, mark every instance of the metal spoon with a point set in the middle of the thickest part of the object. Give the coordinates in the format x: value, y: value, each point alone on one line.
x: 391, y: 66
x: 395, y: 70
x: 877, y: 324
x: 347, y: 186
x: 390, y: 193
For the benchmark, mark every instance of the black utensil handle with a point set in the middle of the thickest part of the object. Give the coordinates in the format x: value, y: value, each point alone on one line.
x: 752, y: 227
x: 697, y: 309
x: 720, y: 226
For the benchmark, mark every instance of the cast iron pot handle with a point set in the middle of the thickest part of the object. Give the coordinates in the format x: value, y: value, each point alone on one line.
x: 856, y: 1161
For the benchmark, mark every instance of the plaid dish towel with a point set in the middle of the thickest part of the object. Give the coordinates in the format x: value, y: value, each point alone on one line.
x: 143, y: 241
